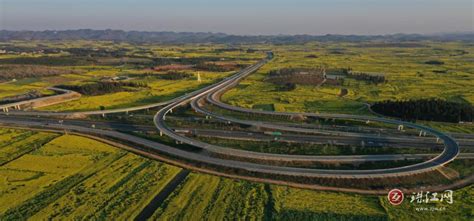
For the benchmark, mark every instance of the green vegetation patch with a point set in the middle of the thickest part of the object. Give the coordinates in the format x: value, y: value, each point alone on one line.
x: 460, y: 209
x: 426, y: 109
x: 300, y: 204
x: 204, y: 197
x: 73, y: 177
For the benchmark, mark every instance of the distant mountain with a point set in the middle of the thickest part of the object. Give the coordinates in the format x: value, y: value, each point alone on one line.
x: 207, y: 37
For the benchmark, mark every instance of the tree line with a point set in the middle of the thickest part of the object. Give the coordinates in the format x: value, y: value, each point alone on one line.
x: 288, y: 77
x: 360, y: 76
x: 169, y: 75
x: 369, y: 78
x: 10, y: 72
x: 91, y: 52
x: 103, y: 87
x: 426, y: 109
x: 49, y: 61
x: 205, y: 66
x: 174, y: 75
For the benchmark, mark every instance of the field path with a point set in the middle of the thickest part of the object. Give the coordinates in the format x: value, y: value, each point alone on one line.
x: 156, y: 202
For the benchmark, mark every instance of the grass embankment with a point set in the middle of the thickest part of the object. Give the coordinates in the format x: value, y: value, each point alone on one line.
x: 282, y: 147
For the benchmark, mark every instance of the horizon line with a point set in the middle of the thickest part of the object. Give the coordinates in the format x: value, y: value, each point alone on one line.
x: 212, y: 32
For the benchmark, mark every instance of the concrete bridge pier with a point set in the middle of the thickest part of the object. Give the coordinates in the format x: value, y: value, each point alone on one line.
x: 161, y: 133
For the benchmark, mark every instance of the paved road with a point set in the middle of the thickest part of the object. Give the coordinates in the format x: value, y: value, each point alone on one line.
x: 64, y: 95
x: 240, y: 135
x: 196, y: 157
x: 77, y: 113
x: 397, y: 141
x: 86, y: 113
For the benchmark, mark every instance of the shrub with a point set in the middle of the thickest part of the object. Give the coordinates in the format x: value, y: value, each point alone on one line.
x: 434, y: 62
x: 103, y: 87
x: 426, y: 109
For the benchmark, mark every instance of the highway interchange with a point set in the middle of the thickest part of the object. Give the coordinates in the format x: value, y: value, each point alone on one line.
x: 255, y: 162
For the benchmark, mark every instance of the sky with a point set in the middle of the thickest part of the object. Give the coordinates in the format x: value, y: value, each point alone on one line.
x: 243, y: 17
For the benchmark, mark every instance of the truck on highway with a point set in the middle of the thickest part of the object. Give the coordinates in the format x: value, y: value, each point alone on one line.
x: 273, y: 133
x: 184, y: 131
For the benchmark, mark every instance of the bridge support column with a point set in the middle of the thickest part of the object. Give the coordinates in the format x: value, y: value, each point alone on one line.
x: 400, y: 127
x: 161, y: 133
x: 171, y: 110
x: 437, y: 139
x: 103, y: 115
x: 421, y: 133
x: 424, y: 133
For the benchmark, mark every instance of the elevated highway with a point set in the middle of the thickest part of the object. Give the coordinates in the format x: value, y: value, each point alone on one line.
x: 449, y: 153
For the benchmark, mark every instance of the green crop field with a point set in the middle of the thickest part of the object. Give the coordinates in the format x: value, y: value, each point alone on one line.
x: 160, y: 90
x: 407, y: 74
x: 72, y: 65
x: 298, y: 204
x: 203, y: 197
x: 72, y: 177
x: 16, y: 143
x: 56, y: 176
x: 462, y: 206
